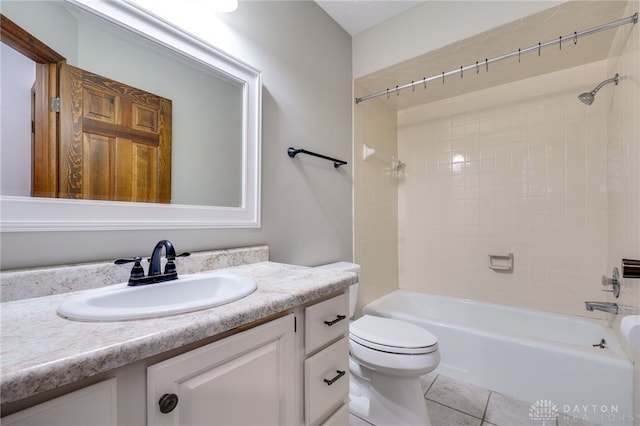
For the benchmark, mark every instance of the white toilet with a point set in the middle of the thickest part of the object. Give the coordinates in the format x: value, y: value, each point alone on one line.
x: 386, y: 359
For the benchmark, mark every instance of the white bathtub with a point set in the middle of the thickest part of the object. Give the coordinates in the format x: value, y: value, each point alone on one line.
x: 529, y: 355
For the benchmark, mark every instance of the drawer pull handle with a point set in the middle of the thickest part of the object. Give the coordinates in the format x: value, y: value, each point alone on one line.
x: 341, y: 373
x: 338, y: 319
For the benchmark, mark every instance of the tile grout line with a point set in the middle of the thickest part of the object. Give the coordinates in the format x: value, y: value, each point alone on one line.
x: 486, y: 407
x: 454, y: 409
x: 430, y: 386
x: 360, y: 418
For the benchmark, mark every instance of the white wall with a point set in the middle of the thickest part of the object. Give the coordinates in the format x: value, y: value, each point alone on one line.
x: 17, y: 77
x: 305, y: 59
x: 430, y: 26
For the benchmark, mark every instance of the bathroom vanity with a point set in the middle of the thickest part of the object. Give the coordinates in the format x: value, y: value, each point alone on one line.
x: 277, y: 356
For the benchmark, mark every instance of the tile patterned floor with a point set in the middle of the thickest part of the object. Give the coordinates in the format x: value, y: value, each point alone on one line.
x: 451, y: 402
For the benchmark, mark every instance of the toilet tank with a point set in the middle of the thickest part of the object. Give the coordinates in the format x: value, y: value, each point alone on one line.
x: 353, y: 289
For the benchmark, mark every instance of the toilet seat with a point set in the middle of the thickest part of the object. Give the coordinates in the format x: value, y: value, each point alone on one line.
x: 392, y: 336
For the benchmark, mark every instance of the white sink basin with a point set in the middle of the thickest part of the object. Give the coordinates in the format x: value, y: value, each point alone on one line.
x: 186, y: 294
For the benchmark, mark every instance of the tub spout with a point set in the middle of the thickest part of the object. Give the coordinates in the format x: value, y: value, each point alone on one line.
x: 611, y: 308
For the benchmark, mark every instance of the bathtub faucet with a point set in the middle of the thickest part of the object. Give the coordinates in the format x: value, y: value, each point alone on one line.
x: 611, y: 308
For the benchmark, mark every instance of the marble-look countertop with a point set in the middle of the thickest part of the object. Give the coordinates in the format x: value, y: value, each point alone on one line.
x: 40, y: 351
x: 39, y: 282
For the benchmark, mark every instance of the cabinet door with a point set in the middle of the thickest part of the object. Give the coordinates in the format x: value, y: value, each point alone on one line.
x: 245, y: 379
x: 94, y: 405
x: 339, y: 418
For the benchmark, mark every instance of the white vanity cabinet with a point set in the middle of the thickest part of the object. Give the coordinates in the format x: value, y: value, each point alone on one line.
x: 326, y: 364
x: 251, y: 378
x: 93, y: 405
x: 291, y: 370
x: 244, y: 379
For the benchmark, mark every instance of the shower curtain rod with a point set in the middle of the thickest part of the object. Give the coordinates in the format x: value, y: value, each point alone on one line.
x: 479, y: 64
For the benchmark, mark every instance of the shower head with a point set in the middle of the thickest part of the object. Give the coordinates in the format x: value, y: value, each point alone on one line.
x: 587, y: 98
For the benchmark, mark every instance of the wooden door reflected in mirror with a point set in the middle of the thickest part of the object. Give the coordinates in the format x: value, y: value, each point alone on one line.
x: 93, y: 138
x: 115, y: 140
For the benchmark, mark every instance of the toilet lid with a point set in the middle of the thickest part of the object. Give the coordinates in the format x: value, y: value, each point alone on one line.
x: 391, y: 335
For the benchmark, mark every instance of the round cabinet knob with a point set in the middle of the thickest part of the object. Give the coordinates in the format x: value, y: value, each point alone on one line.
x: 168, y: 402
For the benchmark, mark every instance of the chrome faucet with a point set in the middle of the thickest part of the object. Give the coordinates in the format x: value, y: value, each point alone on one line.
x: 609, y: 307
x: 155, y: 275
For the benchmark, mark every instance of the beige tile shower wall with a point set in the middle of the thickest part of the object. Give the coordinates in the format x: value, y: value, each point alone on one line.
x: 375, y: 200
x: 624, y: 156
x: 624, y: 169
x: 520, y: 168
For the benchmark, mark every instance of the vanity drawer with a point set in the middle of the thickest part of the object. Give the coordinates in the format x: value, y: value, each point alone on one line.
x: 325, y: 322
x: 326, y: 379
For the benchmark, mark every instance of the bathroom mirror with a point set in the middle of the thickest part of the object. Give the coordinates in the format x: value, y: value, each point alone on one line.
x: 194, y: 203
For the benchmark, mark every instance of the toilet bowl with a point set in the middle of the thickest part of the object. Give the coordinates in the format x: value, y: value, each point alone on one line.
x: 386, y: 359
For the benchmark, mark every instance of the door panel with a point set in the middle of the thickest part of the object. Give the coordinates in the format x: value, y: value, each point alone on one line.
x: 215, y: 393
x: 115, y: 140
x: 99, y: 106
x: 144, y: 118
x: 137, y: 166
x: 245, y: 379
x: 96, y: 158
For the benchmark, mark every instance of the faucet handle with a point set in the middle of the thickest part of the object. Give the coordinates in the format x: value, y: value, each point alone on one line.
x: 614, y: 282
x: 170, y: 267
x: 137, y: 271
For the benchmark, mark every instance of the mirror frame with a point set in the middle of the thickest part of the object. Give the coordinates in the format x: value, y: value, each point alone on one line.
x: 27, y: 214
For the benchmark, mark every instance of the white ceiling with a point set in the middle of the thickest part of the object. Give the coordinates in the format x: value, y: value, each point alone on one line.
x: 356, y: 16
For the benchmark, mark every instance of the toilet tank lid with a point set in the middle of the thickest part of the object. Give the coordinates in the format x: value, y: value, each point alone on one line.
x: 342, y: 266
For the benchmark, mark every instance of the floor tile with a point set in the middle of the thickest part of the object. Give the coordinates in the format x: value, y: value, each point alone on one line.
x: 504, y: 410
x: 451, y: 402
x: 357, y: 421
x: 567, y: 420
x: 441, y: 415
x: 426, y: 381
x: 461, y: 396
